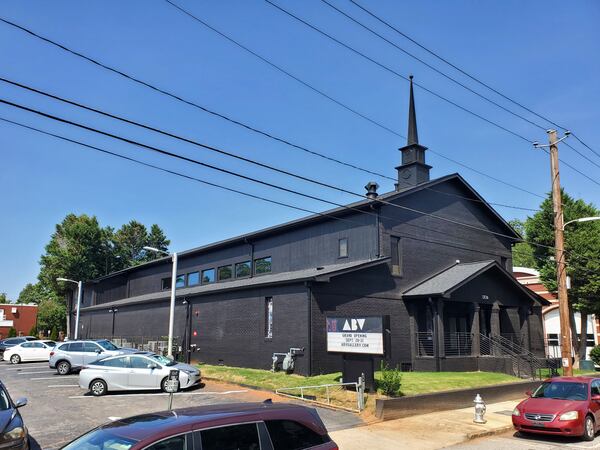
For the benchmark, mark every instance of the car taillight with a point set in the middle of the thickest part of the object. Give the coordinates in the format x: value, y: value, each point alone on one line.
x: 51, y: 353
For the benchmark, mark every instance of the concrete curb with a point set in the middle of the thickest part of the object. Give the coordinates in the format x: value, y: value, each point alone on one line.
x: 487, y: 433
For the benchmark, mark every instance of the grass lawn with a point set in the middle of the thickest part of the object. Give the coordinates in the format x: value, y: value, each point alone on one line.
x: 412, y: 382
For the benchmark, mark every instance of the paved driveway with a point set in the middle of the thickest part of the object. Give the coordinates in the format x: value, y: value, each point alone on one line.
x: 58, y: 410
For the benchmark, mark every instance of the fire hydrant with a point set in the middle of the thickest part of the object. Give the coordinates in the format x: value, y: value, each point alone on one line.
x: 479, y: 409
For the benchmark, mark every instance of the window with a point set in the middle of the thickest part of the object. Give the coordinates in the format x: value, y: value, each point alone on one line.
x: 27, y: 345
x: 262, y: 265
x: 180, y: 281
x: 90, y: 347
x: 243, y: 269
x: 208, y: 276
x: 35, y: 344
x: 193, y: 278
x: 64, y: 347
x: 50, y: 344
x: 225, y: 273
x: 504, y: 262
x: 166, y: 284
x: 138, y: 362
x: 268, y: 317
x: 552, y: 339
x: 237, y: 437
x: 343, y: 248
x: 174, y: 443
x: 76, y: 347
x: 117, y: 362
x: 290, y: 435
x: 396, y: 255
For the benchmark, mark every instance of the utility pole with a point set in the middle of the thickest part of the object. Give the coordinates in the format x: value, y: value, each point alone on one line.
x: 561, y: 263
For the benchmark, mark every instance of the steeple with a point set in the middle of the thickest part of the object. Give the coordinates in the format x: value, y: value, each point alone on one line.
x: 413, y: 135
x: 413, y: 169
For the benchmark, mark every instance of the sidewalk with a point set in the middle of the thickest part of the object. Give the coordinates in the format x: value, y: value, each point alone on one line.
x: 427, y: 431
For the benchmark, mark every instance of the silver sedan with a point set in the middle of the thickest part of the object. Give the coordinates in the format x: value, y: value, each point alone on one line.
x: 138, y: 371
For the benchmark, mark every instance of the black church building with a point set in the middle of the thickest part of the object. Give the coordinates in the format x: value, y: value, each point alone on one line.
x: 432, y: 255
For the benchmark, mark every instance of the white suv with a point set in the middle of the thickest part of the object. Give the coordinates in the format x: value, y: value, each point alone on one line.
x: 73, y: 355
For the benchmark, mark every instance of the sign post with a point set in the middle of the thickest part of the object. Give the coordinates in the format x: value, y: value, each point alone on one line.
x: 172, y: 385
x: 359, y: 339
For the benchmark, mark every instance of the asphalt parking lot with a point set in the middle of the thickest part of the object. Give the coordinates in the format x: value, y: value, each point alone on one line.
x: 58, y: 410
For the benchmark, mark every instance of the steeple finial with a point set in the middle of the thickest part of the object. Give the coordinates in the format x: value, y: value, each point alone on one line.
x: 413, y: 136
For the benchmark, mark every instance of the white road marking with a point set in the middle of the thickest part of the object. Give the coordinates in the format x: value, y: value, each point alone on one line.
x: 62, y: 385
x: 27, y: 367
x: 160, y: 394
x: 55, y: 377
x: 36, y: 373
x: 112, y: 419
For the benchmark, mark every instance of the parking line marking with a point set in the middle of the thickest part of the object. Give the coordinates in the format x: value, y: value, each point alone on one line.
x: 36, y: 373
x: 28, y: 367
x: 55, y: 377
x: 63, y: 385
x: 160, y: 394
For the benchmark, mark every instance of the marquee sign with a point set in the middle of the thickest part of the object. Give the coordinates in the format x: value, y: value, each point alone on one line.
x: 355, y: 335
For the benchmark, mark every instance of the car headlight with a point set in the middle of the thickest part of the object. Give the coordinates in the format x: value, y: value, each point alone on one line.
x: 516, y: 412
x: 13, y: 435
x: 189, y: 372
x: 571, y: 415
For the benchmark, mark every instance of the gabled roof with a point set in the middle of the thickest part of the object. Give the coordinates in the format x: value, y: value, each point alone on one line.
x: 444, y: 283
x: 323, y: 273
x: 327, y: 215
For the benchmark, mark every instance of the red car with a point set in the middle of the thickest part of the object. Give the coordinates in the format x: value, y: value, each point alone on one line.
x: 238, y: 426
x: 565, y: 406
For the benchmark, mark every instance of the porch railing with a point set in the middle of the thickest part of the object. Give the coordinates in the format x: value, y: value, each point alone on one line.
x: 425, y: 345
x: 458, y: 344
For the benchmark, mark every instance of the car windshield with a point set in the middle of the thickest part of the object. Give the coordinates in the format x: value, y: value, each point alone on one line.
x: 4, y: 403
x: 107, y: 345
x: 562, y: 390
x: 100, y: 440
x: 163, y: 360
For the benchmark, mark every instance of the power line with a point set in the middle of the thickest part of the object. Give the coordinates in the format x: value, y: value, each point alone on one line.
x: 172, y: 172
x: 582, y: 155
x: 387, y: 68
x: 179, y: 174
x: 425, y: 63
x: 325, y: 214
x: 575, y: 169
x: 190, y: 141
x: 239, y: 123
x: 245, y: 177
x: 472, y: 77
x: 394, y: 72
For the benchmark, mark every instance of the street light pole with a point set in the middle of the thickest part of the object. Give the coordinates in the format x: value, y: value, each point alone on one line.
x: 79, y: 293
x: 173, y: 289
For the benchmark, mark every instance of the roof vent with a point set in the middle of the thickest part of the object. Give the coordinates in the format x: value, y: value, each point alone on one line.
x: 371, y: 188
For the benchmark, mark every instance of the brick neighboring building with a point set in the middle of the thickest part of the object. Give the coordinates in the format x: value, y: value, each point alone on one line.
x: 22, y: 317
x: 531, y: 279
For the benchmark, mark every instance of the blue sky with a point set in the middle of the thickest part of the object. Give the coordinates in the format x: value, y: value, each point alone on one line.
x: 544, y: 54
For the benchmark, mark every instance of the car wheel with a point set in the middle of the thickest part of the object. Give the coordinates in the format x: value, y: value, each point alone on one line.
x: 15, y: 359
x: 63, y: 368
x: 163, y: 385
x: 98, y: 388
x: 589, y: 429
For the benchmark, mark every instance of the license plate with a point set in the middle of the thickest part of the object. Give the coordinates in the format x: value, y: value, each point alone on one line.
x: 538, y: 424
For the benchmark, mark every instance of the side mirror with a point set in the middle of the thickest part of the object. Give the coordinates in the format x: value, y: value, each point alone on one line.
x: 20, y: 402
x: 153, y: 366
x: 99, y: 351
x: 528, y: 393
x: 596, y: 398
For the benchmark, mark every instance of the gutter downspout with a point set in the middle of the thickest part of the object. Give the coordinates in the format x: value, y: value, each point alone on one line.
x: 309, y: 343
x: 251, y: 256
x: 377, y: 230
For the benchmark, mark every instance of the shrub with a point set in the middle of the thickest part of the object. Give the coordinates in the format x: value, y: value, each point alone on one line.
x: 33, y: 331
x: 12, y: 332
x: 54, y: 335
x: 595, y: 354
x: 391, y: 380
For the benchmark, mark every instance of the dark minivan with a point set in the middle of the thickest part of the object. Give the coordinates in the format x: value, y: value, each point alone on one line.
x: 238, y: 426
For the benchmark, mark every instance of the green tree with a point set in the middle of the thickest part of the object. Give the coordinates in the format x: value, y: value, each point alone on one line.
x: 131, y: 239
x: 156, y: 239
x: 34, y: 293
x: 51, y: 315
x: 522, y: 252
x: 4, y: 298
x: 75, y: 251
x: 582, y: 246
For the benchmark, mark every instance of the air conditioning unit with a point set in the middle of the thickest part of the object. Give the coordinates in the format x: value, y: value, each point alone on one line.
x: 13, y: 310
